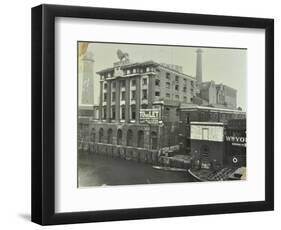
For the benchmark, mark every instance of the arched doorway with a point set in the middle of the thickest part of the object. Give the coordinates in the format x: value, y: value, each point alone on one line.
x: 130, y: 138
x: 119, y: 137
x: 100, y: 135
x: 93, y: 135
x: 109, y: 136
x: 140, y: 138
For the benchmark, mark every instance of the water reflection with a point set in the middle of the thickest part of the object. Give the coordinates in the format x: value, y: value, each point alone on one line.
x: 97, y: 170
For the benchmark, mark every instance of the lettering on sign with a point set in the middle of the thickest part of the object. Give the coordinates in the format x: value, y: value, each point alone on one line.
x: 238, y: 141
x: 149, y: 115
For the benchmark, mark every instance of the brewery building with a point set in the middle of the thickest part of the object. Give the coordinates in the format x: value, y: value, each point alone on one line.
x: 148, y: 107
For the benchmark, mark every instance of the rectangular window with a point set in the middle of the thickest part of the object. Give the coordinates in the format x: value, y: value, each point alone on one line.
x: 147, y: 69
x: 123, y: 96
x: 185, y: 99
x: 205, y: 134
x: 144, y: 81
x: 184, y: 81
x: 123, y: 112
x: 177, y: 87
x: 168, y: 76
x: 123, y: 83
x: 168, y: 95
x: 133, y: 95
x: 113, y: 96
x: 114, y: 85
x: 113, y: 114
x: 105, y: 96
x: 144, y: 94
x: 157, y: 94
x: 168, y: 85
x: 177, y: 97
x: 133, y: 112
x: 104, y: 112
x: 184, y: 89
x: 105, y: 85
x: 134, y: 82
x: 177, y: 78
x: 157, y: 82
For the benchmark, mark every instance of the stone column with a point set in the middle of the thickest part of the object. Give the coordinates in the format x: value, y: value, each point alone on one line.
x: 108, y: 102
x: 101, y: 100
x: 117, y: 101
x: 127, y: 108
x: 138, y: 99
x: 150, y: 90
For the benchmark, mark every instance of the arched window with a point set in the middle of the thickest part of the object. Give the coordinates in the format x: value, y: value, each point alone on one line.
x: 101, y: 135
x: 130, y: 138
x: 154, y: 140
x: 93, y: 135
x: 140, y: 139
x: 119, y: 137
x: 109, y: 136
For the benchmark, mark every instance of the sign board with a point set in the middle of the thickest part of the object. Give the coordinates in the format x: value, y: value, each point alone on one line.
x: 149, y: 116
x: 237, y: 141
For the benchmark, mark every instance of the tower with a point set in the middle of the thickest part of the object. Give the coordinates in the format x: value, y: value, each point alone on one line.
x: 199, y: 66
x: 86, y: 79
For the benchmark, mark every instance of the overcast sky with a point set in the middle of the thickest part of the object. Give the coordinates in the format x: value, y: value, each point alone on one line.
x: 227, y: 66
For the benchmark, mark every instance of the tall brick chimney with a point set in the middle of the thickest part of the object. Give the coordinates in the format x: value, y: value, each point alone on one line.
x: 199, y: 66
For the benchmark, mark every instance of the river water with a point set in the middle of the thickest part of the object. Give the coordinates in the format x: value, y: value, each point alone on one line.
x: 97, y: 170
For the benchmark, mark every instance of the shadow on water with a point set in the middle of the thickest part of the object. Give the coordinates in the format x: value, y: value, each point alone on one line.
x: 97, y: 170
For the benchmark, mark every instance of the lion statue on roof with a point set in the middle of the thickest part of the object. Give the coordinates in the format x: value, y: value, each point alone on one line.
x: 122, y: 56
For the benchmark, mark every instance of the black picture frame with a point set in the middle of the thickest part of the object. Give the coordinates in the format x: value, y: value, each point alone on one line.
x: 43, y: 114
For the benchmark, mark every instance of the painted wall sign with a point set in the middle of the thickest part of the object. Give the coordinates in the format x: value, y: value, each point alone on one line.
x: 149, y: 115
x: 237, y: 141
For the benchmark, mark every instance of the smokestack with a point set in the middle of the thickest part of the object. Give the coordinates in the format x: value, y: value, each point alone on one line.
x: 199, y: 66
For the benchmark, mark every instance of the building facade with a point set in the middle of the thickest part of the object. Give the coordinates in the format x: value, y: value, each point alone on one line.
x: 236, y: 141
x: 146, y: 107
x: 218, y: 144
x: 217, y: 95
x: 139, y: 106
x: 196, y: 113
x: 127, y: 88
x: 207, y: 144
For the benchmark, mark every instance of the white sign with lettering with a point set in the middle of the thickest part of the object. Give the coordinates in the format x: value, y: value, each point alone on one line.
x: 149, y: 115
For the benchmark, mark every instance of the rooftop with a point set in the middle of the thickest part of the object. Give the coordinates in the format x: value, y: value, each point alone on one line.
x: 145, y: 63
x: 194, y: 106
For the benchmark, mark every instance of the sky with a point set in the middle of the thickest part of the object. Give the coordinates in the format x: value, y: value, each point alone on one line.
x: 227, y: 66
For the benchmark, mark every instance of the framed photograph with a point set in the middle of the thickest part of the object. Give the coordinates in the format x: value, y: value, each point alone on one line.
x: 142, y: 114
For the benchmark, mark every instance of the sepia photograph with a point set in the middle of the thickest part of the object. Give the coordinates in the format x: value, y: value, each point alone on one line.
x: 140, y: 114
x: 151, y: 114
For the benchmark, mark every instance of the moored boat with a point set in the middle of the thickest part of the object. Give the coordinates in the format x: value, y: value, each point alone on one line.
x: 169, y: 168
x: 221, y: 174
